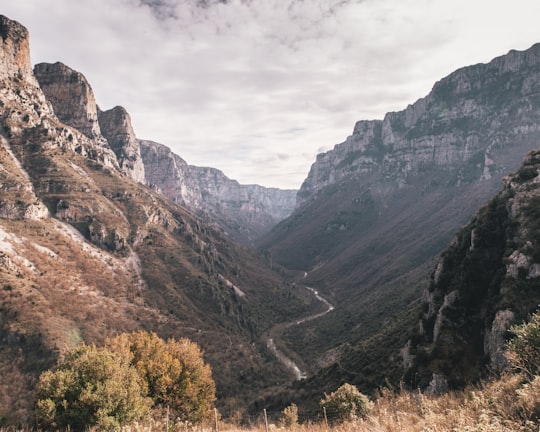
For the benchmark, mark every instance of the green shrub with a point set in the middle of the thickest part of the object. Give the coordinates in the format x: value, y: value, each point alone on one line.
x: 92, y: 387
x: 174, y: 372
x: 524, y: 348
x: 346, y: 403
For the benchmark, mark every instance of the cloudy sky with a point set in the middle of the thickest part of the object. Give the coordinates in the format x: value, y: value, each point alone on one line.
x: 257, y: 88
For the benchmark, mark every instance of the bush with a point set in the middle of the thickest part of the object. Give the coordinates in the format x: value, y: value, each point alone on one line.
x: 289, y: 416
x: 174, y: 373
x: 524, y: 348
x: 91, y: 387
x: 346, y: 403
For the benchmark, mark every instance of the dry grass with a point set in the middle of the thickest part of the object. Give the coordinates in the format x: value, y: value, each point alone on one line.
x: 505, y: 405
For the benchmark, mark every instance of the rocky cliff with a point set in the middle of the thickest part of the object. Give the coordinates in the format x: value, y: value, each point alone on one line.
x: 116, y: 127
x: 487, y: 280
x: 463, y: 126
x: 71, y: 96
x: 15, y: 53
x: 245, y: 212
x: 73, y: 102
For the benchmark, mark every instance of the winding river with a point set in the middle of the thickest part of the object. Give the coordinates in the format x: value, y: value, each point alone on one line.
x: 278, y: 329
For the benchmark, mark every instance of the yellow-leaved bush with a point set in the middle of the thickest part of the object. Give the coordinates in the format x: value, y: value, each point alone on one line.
x: 174, y: 373
x: 112, y: 386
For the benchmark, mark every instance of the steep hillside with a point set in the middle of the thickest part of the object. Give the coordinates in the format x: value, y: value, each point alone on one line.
x: 244, y: 212
x: 375, y: 212
x: 87, y: 252
x: 487, y: 280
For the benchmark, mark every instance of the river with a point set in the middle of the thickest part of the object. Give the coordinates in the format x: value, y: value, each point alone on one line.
x: 278, y: 329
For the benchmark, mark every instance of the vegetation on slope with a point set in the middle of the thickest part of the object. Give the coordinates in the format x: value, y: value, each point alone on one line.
x: 510, y: 403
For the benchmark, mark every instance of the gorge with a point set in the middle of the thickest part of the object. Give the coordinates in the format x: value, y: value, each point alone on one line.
x: 350, y: 278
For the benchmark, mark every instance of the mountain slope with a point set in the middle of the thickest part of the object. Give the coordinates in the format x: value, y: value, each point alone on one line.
x: 87, y: 252
x: 375, y: 212
x: 485, y: 281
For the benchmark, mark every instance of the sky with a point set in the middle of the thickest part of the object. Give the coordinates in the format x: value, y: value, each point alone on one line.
x: 257, y: 88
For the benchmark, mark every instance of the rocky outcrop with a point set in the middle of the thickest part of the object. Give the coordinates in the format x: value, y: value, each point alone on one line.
x: 463, y: 127
x: 485, y: 281
x: 73, y: 101
x: 71, y: 96
x: 15, y: 51
x: 116, y: 127
x: 243, y: 211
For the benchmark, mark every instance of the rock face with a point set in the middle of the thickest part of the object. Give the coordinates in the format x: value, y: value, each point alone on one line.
x: 71, y: 96
x: 485, y: 281
x: 15, y: 51
x: 245, y: 212
x: 73, y: 101
x: 116, y: 127
x: 465, y: 120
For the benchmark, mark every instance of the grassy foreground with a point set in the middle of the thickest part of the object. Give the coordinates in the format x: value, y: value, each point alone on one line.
x: 505, y: 405
x: 509, y: 404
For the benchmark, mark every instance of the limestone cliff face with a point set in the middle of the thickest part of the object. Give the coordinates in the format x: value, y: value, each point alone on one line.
x: 244, y: 211
x: 73, y: 101
x: 487, y: 280
x: 116, y: 127
x: 71, y: 96
x: 462, y: 127
x: 27, y: 118
x: 15, y: 51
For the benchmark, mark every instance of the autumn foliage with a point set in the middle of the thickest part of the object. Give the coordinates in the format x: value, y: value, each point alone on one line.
x: 174, y: 373
x: 112, y: 386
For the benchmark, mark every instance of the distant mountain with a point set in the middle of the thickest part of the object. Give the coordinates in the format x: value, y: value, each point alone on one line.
x: 88, y: 251
x: 244, y: 212
x: 376, y: 211
x: 485, y: 281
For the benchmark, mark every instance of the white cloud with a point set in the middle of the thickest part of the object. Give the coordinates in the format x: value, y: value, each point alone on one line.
x: 257, y: 87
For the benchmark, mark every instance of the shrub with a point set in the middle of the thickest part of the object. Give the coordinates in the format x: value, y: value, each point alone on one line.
x: 92, y: 387
x: 289, y: 416
x: 524, y: 348
x: 346, y: 403
x: 174, y: 372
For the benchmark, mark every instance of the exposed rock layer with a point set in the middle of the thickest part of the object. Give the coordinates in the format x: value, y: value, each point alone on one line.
x: 466, y: 121
x: 116, y: 127
x: 71, y: 96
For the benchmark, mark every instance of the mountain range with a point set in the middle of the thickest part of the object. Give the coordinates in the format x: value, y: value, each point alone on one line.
x: 102, y: 232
